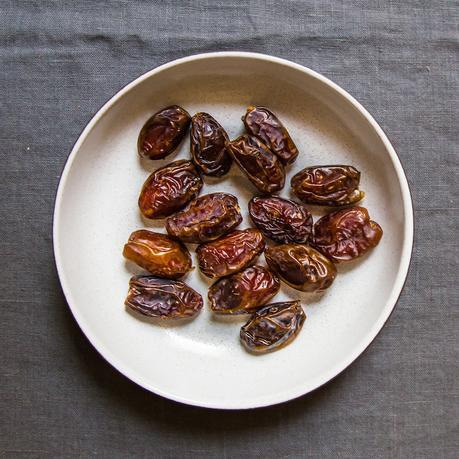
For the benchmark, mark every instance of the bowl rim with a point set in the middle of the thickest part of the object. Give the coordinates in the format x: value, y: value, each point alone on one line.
x: 372, y: 333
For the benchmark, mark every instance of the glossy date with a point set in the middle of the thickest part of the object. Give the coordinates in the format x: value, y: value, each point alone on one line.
x: 346, y: 234
x: 206, y: 218
x: 280, y: 219
x: 328, y: 185
x: 231, y: 253
x: 301, y: 267
x: 162, y: 298
x: 169, y: 189
x: 258, y: 162
x: 273, y: 327
x: 243, y: 292
x: 208, y: 145
x: 158, y: 254
x: 163, y: 132
x: 264, y: 124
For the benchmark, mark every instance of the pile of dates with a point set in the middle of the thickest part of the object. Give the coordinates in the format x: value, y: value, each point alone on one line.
x: 301, y: 253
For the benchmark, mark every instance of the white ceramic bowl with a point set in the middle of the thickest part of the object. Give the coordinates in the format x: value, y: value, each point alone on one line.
x: 202, y: 362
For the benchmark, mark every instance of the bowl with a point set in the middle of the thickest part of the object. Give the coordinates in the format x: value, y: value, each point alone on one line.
x: 201, y: 362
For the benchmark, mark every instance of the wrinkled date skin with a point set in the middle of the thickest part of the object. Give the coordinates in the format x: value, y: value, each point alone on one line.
x: 301, y: 267
x: 264, y: 124
x: 158, y: 254
x: 258, y: 162
x: 243, y: 292
x: 273, y: 327
x: 163, y: 132
x: 162, y: 298
x: 169, y: 189
x: 280, y: 219
x: 208, y: 145
x: 206, y: 218
x: 346, y: 234
x: 231, y: 253
x: 328, y: 185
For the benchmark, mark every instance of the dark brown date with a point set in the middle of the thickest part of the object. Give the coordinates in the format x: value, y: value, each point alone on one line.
x: 328, y: 185
x: 208, y: 145
x: 162, y: 298
x: 206, y: 218
x: 280, y: 219
x: 243, y: 292
x: 169, y: 189
x: 231, y: 253
x: 163, y: 132
x: 273, y: 327
x: 158, y: 254
x: 346, y: 234
x: 264, y: 124
x: 301, y: 267
x: 258, y: 162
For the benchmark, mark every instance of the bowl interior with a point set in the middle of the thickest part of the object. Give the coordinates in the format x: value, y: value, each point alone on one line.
x: 202, y: 362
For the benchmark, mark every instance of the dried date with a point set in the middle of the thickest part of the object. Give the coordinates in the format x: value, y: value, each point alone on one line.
x: 280, y: 219
x: 258, y: 162
x: 328, y: 185
x: 264, y: 124
x: 158, y: 254
x: 162, y: 298
x: 346, y: 234
x: 273, y: 327
x: 231, y: 253
x: 301, y: 267
x: 208, y: 145
x: 163, y: 132
x: 206, y: 218
x: 169, y: 189
x: 243, y: 292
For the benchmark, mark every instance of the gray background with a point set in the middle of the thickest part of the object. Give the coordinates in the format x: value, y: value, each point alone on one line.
x: 60, y: 61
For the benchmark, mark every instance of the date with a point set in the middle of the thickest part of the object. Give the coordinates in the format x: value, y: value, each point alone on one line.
x: 301, y: 267
x: 273, y: 327
x: 158, y: 254
x: 261, y: 166
x: 328, y: 185
x: 208, y: 145
x: 163, y: 132
x: 206, y: 218
x: 162, y: 298
x: 231, y: 253
x: 346, y: 234
x: 243, y: 292
x: 169, y: 188
x: 264, y: 124
x: 280, y: 219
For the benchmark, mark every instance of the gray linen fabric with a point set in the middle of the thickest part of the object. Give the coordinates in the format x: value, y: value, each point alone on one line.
x: 60, y: 61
